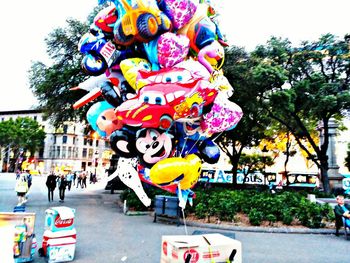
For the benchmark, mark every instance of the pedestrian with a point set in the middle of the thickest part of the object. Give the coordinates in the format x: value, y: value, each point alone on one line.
x: 80, y: 176
x: 21, y: 189
x: 91, y: 178
x: 51, y: 185
x: 29, y: 178
x: 62, y: 183
x: 18, y: 173
x: 74, y: 177
x: 84, y: 179
x: 69, y: 180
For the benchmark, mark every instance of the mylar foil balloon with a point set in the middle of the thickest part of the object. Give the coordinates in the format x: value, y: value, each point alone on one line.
x: 128, y: 175
x: 200, y: 30
x: 131, y: 67
x: 153, y: 145
x: 224, y: 115
x: 172, y: 49
x: 180, y: 12
x: 177, y: 170
x: 101, y: 116
x: 123, y: 142
x: 209, y: 151
x: 212, y: 56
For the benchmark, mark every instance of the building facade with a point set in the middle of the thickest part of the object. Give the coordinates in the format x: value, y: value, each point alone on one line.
x: 66, y: 148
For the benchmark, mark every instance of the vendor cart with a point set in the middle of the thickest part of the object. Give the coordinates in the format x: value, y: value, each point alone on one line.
x: 60, y: 235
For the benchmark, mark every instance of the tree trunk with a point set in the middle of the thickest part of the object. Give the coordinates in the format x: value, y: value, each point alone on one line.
x: 324, y: 175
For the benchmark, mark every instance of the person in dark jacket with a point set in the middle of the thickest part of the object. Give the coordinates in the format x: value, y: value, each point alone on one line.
x: 342, y: 209
x: 62, y: 184
x: 51, y: 185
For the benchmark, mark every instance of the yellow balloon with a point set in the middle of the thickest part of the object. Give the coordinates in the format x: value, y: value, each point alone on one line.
x: 185, y: 171
x: 130, y: 69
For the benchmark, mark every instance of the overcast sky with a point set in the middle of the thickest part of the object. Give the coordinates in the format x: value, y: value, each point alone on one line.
x: 247, y: 23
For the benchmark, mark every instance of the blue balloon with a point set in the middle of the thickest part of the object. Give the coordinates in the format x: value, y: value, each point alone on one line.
x: 94, y: 112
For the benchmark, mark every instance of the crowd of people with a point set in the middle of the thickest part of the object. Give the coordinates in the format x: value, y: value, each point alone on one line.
x: 53, y: 181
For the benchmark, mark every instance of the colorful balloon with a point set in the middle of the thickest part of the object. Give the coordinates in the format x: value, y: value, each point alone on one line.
x: 177, y: 170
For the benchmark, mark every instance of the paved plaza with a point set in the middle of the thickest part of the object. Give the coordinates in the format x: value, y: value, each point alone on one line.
x: 105, y: 234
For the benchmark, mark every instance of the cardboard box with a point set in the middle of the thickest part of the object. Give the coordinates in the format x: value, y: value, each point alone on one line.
x: 206, y: 248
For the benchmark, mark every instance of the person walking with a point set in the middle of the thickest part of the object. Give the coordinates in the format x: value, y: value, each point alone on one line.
x: 83, y: 179
x: 69, y: 180
x: 62, y: 183
x: 21, y: 189
x: 51, y: 185
x: 79, y: 181
x: 74, y: 177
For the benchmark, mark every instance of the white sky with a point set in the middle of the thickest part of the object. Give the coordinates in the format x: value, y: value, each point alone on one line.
x: 247, y: 23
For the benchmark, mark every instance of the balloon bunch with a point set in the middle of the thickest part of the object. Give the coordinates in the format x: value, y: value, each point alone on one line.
x: 157, y: 65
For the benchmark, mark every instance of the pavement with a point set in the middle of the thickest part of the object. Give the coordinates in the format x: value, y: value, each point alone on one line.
x: 106, y: 234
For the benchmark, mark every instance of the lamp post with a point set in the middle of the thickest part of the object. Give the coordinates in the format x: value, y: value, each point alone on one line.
x: 264, y: 151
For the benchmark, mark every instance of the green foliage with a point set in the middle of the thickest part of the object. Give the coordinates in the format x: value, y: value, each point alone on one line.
x: 255, y: 217
x: 24, y: 133
x: 286, y: 206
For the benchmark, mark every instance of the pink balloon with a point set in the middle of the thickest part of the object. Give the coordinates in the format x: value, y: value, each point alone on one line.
x: 172, y: 49
x: 180, y: 12
x: 224, y: 115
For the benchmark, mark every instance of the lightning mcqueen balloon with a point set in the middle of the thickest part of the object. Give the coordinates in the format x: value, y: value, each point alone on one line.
x: 170, y: 94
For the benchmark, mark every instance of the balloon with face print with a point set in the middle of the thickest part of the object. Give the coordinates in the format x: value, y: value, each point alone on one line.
x: 153, y: 145
x: 123, y: 142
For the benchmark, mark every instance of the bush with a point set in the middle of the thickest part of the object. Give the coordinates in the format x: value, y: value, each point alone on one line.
x: 255, y: 217
x: 287, y: 216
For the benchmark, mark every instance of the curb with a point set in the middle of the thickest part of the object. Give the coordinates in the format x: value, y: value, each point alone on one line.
x: 283, y: 230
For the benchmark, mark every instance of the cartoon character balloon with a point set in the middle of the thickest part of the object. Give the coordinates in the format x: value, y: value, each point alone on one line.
x: 158, y: 71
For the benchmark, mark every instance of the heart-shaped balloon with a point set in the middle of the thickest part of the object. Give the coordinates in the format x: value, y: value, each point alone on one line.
x: 180, y: 12
x: 172, y: 49
x: 224, y: 115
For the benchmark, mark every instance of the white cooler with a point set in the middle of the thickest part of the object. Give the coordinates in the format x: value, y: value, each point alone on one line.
x: 60, y: 249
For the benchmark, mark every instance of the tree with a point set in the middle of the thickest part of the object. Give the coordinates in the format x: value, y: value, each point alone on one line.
x: 303, y: 88
x: 250, y: 129
x: 21, y: 134
x: 51, y: 84
x: 249, y: 163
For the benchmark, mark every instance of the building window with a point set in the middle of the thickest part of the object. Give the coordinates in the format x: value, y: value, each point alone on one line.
x: 90, y: 142
x: 52, y: 151
x: 54, y: 139
x: 91, y: 152
x: 84, y: 152
x: 69, y: 152
x: 73, y: 140
x: 65, y: 128
x: 58, y: 151
x: 75, y: 152
x: 97, y: 141
x: 64, y: 139
x: 64, y: 151
x: 85, y: 141
x: 106, y: 144
x: 34, y: 118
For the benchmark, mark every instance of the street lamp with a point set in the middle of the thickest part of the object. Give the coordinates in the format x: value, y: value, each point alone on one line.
x: 264, y: 151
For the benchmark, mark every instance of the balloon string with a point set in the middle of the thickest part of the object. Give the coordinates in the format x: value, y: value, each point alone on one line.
x: 217, y: 136
x: 183, y: 146
x: 184, y: 220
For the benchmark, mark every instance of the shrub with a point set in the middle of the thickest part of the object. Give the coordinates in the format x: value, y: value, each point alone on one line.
x: 255, y: 217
